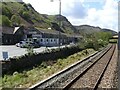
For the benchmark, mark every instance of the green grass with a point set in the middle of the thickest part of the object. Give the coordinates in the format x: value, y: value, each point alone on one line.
x: 113, y: 41
x: 28, y: 78
x: 0, y: 82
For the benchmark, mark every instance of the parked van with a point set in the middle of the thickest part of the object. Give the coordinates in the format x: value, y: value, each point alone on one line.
x: 21, y: 44
x: 25, y: 44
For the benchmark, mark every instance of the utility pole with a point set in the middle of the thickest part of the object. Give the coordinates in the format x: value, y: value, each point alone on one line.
x: 59, y: 22
x: 59, y: 36
x: 118, y: 63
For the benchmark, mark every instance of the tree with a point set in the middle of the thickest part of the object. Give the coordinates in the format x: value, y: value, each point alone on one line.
x: 26, y: 15
x: 16, y: 20
x: 96, y: 40
x: 6, y: 11
x: 0, y: 19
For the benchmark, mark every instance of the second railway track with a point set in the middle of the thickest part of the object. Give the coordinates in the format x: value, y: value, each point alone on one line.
x: 84, y: 74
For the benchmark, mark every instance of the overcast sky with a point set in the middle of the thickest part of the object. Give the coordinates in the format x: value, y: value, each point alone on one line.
x: 102, y: 13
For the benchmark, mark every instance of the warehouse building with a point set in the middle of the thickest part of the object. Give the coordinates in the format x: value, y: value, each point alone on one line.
x: 45, y: 37
x: 11, y: 36
x: 0, y: 35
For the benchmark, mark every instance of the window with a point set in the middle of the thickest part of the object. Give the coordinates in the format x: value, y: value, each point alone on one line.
x: 47, y: 40
x: 51, y: 40
x: 10, y: 41
x: 6, y: 41
x: 41, y: 40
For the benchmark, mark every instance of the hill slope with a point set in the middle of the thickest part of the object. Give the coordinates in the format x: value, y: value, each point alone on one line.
x: 87, y: 29
x: 19, y: 13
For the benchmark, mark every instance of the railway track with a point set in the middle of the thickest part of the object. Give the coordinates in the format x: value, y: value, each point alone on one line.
x: 92, y: 76
x: 71, y: 76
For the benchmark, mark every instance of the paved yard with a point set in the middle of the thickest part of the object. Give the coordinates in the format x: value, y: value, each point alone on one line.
x: 17, y: 51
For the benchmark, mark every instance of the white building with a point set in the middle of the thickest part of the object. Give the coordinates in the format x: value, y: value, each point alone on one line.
x: 47, y: 37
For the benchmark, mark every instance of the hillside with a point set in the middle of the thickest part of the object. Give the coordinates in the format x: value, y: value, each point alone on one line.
x: 108, y: 30
x: 21, y: 14
x: 87, y: 29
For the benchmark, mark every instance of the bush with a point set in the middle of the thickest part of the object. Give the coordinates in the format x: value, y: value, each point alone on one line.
x: 95, y: 40
x: 5, y: 21
x: 30, y: 50
x: 6, y: 11
x: 26, y: 15
x: 16, y: 20
x: 0, y: 19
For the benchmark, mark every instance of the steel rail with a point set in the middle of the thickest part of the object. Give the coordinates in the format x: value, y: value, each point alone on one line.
x: 102, y: 74
x: 103, y: 52
x: 81, y: 74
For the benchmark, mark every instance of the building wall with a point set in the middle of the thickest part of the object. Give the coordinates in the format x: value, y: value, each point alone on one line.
x: 48, y: 41
x: 119, y: 41
x: 10, y: 39
x: 0, y: 35
x: 1, y: 39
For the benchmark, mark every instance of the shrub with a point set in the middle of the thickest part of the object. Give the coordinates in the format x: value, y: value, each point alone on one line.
x: 0, y: 19
x: 5, y: 21
x: 26, y: 15
x: 16, y: 20
x: 30, y: 50
x: 43, y: 64
x: 6, y: 11
x: 95, y: 40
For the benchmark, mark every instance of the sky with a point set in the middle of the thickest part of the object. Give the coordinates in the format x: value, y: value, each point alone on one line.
x: 102, y: 13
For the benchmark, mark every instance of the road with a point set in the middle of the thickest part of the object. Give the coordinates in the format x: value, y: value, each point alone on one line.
x: 17, y: 51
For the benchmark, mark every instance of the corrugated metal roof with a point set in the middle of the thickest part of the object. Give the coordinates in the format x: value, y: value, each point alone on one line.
x: 48, y: 31
x: 7, y: 30
x: 0, y: 30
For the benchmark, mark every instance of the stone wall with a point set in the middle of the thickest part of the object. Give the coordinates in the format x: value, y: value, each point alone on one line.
x: 18, y: 64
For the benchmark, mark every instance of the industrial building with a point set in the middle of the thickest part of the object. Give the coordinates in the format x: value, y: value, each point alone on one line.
x: 45, y: 37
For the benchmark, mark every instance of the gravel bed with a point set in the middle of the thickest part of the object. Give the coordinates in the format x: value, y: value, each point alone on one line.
x: 109, y: 79
x: 89, y: 79
x: 61, y: 80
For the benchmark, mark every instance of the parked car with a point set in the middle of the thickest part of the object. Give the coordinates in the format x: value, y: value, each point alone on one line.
x: 21, y: 44
x: 26, y: 44
x: 33, y: 44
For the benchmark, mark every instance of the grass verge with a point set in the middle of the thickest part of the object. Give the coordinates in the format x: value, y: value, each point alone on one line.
x: 28, y: 78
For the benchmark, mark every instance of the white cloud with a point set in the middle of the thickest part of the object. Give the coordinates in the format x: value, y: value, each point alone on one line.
x: 47, y: 7
x: 74, y: 9
x: 44, y: 6
x: 106, y: 17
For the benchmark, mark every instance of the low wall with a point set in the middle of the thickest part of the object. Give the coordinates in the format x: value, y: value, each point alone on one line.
x: 28, y: 61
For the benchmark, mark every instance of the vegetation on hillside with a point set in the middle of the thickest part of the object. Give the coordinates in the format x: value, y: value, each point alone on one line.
x: 21, y: 14
x: 95, y: 40
x: 87, y: 29
x: 6, y: 21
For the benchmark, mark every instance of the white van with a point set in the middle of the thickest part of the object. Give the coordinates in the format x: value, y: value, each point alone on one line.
x: 21, y: 44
